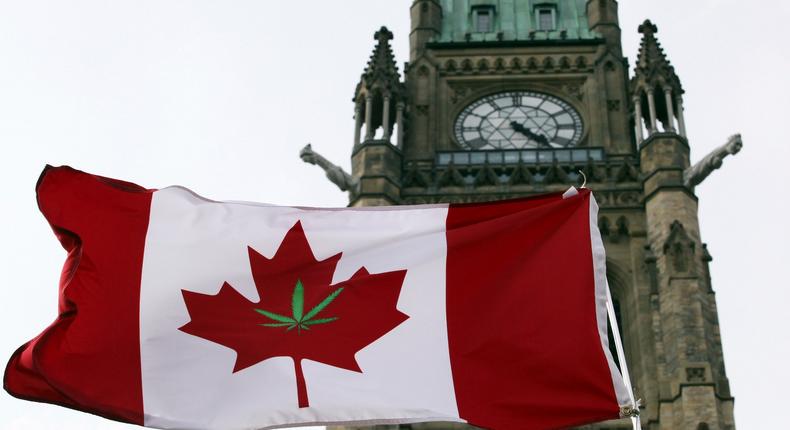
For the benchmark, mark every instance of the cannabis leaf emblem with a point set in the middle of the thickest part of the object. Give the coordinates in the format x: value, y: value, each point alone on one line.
x: 301, y: 322
x: 296, y: 297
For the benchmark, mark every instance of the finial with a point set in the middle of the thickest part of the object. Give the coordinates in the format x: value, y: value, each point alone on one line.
x: 383, y: 35
x: 648, y: 28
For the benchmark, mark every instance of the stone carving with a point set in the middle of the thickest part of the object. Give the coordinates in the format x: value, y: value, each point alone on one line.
x: 335, y: 173
x: 697, y: 173
x: 507, y: 65
x: 581, y: 63
x: 486, y: 176
x: 604, y: 226
x: 415, y: 178
x: 622, y: 227
x: 629, y: 198
x: 555, y: 175
x: 520, y: 175
x: 615, y: 232
x: 652, y: 270
x: 466, y: 65
x: 679, y: 247
x: 451, y: 177
x: 575, y: 90
x: 458, y: 93
x: 627, y: 172
x: 548, y: 63
x: 695, y: 374
x: 612, y: 199
x: 516, y: 63
x: 594, y: 173
x: 706, y: 259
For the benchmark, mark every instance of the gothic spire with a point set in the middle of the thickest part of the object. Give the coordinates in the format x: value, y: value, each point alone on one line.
x: 656, y: 88
x: 378, y: 99
x: 652, y: 66
x: 382, y: 71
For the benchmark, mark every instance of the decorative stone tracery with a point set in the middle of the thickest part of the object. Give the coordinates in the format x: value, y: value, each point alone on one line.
x: 498, y: 65
x: 681, y: 249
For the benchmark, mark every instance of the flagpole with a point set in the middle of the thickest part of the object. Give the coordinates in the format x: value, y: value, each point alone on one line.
x: 618, y: 344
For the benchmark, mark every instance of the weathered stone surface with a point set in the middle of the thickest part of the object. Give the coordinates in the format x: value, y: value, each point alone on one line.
x: 657, y: 263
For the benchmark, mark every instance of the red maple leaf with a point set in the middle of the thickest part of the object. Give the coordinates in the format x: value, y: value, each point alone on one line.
x: 300, y: 314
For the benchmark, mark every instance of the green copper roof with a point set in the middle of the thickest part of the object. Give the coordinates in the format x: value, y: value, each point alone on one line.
x: 513, y: 20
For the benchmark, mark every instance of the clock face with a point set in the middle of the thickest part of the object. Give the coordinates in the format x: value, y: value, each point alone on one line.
x: 518, y: 119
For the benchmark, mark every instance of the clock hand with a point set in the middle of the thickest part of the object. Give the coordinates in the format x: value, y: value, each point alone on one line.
x: 518, y: 128
x: 539, y: 138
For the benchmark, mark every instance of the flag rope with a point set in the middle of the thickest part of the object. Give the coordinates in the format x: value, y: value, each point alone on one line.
x: 630, y: 411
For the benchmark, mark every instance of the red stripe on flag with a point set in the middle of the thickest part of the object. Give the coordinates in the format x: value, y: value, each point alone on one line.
x: 524, y: 344
x: 89, y: 358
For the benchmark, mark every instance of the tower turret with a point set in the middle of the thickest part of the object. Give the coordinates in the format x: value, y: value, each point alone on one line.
x: 656, y: 88
x: 693, y: 389
x: 426, y: 25
x: 378, y: 104
x: 602, y: 17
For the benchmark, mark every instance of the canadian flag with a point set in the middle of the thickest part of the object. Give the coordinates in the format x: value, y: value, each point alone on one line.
x: 180, y: 312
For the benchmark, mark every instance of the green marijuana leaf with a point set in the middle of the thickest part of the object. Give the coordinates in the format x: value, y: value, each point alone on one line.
x: 299, y: 320
x: 299, y: 289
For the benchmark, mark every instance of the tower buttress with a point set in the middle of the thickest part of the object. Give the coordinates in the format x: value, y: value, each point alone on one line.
x: 426, y: 24
x: 602, y: 17
x: 611, y: 80
x: 693, y: 387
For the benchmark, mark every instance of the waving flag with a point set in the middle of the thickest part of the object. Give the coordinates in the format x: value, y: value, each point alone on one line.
x: 181, y: 312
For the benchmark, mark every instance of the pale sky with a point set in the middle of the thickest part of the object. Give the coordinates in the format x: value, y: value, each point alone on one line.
x: 219, y: 96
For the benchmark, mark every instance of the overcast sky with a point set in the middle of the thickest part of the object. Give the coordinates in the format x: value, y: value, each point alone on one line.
x: 220, y: 96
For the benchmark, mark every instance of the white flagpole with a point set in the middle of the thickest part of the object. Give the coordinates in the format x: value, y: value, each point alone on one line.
x: 618, y: 344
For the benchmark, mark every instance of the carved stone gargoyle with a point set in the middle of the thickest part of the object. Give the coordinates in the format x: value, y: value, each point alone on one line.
x: 334, y: 173
x: 697, y: 173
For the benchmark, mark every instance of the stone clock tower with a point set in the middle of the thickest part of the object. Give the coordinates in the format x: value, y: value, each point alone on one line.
x: 509, y: 98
